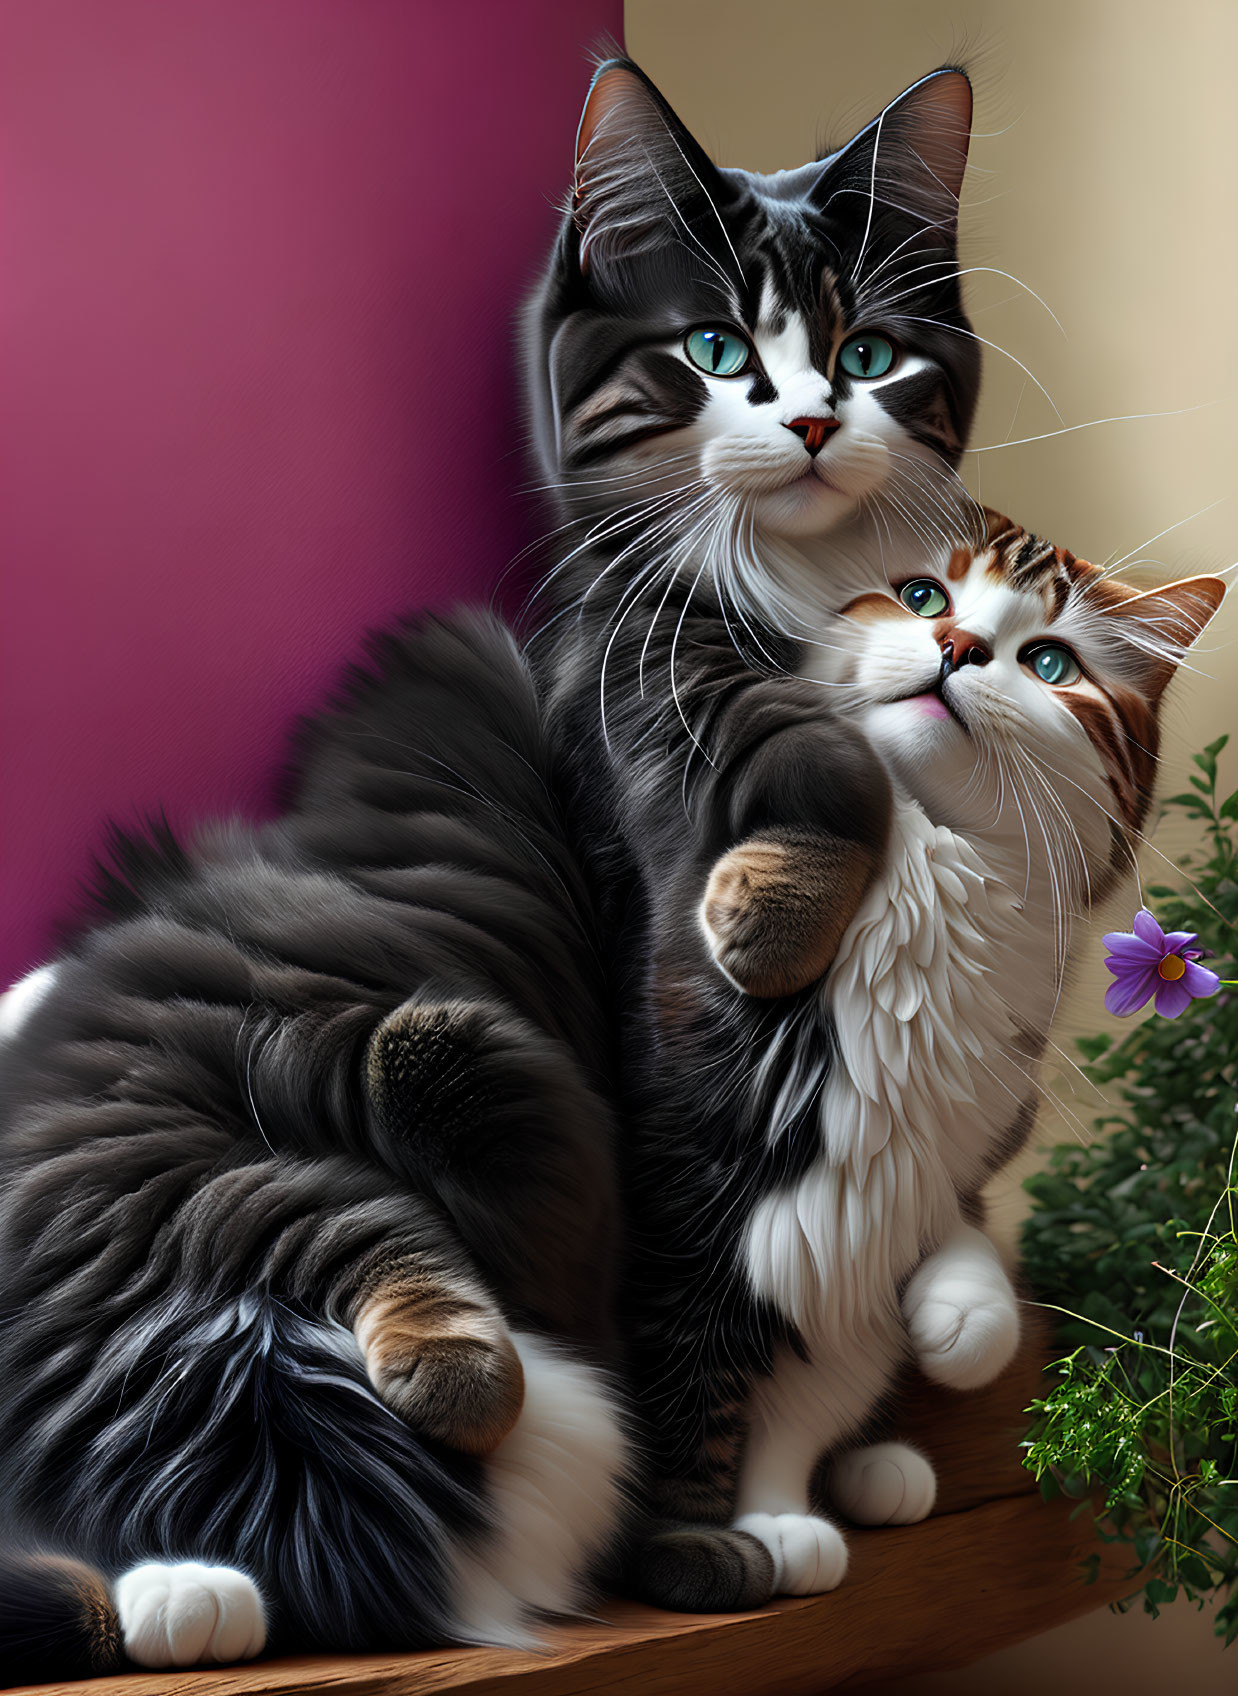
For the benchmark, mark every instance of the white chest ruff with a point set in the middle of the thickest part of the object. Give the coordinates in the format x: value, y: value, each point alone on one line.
x: 924, y: 1077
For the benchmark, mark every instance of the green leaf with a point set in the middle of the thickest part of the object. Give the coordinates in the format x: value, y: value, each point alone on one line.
x: 1132, y: 1234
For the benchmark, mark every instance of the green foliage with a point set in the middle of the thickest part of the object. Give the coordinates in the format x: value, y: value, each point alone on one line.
x: 1132, y: 1239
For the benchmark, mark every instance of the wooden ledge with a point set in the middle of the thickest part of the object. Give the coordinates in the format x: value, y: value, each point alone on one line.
x: 996, y: 1564
x: 925, y: 1598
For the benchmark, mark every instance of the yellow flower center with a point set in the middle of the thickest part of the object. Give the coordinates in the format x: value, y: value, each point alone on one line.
x: 1173, y: 967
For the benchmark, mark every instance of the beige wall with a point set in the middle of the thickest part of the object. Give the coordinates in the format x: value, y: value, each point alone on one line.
x: 1103, y: 178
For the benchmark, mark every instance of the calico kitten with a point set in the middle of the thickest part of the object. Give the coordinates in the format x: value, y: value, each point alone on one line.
x: 844, y: 917
x: 728, y: 370
x: 1012, y: 692
x: 308, y: 1210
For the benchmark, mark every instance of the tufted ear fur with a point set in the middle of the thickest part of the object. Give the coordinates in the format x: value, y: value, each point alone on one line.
x: 909, y: 162
x: 1160, y: 625
x: 641, y: 181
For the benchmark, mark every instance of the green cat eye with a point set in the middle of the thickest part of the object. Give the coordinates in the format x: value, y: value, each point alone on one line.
x: 866, y: 356
x: 1054, y: 664
x: 720, y: 352
x: 925, y: 598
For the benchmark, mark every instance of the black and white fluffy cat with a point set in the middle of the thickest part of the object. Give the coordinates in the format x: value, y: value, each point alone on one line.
x: 841, y: 831
x: 308, y: 1216
x: 726, y: 368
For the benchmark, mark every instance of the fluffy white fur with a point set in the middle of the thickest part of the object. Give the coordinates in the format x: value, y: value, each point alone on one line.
x: 883, y: 1484
x: 181, y: 1614
x: 926, y: 1073
x: 556, y: 1487
x: 19, y: 1002
x: 961, y: 1312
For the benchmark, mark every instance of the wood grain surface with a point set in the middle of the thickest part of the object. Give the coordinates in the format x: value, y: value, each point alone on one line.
x: 994, y: 1565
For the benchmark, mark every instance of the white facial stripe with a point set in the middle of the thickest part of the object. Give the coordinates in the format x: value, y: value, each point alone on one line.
x: 999, y: 615
x: 910, y: 365
x: 788, y: 364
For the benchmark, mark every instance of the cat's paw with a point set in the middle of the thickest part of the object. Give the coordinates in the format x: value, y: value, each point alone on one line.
x: 808, y: 1553
x: 702, y: 1569
x: 883, y: 1484
x: 447, y: 1366
x: 964, y: 1327
x: 183, y: 1613
x: 775, y: 910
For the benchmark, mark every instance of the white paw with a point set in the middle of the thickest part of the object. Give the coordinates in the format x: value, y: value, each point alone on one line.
x: 884, y: 1484
x: 178, y: 1615
x: 964, y: 1330
x: 809, y: 1553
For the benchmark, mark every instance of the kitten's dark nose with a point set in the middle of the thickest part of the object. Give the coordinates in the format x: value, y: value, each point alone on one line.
x: 962, y: 648
x: 813, y: 432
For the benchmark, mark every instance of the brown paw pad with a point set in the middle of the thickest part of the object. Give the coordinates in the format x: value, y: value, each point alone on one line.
x: 462, y: 1387
x: 774, y: 912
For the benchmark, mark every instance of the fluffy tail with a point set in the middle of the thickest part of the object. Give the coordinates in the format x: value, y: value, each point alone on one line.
x: 258, y: 1445
x: 57, y: 1620
x: 353, y: 1543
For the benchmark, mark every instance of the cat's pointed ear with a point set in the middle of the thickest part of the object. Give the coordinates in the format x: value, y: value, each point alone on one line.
x: 1160, y: 625
x: 641, y: 181
x: 908, y: 162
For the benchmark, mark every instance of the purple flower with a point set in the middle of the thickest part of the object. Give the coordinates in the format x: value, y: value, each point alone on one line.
x: 1147, y: 963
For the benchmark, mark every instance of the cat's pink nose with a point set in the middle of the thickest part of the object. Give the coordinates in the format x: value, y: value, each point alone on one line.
x: 961, y: 648
x: 813, y: 432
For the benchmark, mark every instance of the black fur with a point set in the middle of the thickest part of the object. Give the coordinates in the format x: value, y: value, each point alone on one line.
x: 198, y: 1173
x: 56, y: 1620
x: 676, y: 703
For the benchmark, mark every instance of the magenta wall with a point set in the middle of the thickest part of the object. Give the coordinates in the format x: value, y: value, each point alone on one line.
x: 262, y: 258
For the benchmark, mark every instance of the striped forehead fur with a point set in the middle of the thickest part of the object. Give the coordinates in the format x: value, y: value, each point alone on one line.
x: 658, y: 239
x: 1139, y: 636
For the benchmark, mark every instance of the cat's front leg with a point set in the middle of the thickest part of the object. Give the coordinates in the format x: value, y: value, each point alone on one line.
x: 690, y: 1559
x: 962, y: 1312
x: 799, y: 829
x: 805, y: 1408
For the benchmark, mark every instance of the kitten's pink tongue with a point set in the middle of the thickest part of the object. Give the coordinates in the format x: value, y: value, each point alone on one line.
x: 932, y: 706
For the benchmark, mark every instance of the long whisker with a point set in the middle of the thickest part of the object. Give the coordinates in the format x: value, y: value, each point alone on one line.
x: 958, y: 330
x: 1091, y: 424
x: 727, y: 283
x: 1112, y: 566
x: 726, y: 234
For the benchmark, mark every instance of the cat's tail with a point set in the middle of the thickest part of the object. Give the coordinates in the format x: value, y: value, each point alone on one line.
x: 58, y: 1619
x: 300, y: 1513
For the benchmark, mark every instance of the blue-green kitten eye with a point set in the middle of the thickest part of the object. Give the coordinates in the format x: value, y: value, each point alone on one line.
x: 925, y: 598
x: 866, y: 356
x: 1053, y: 664
x: 720, y: 352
